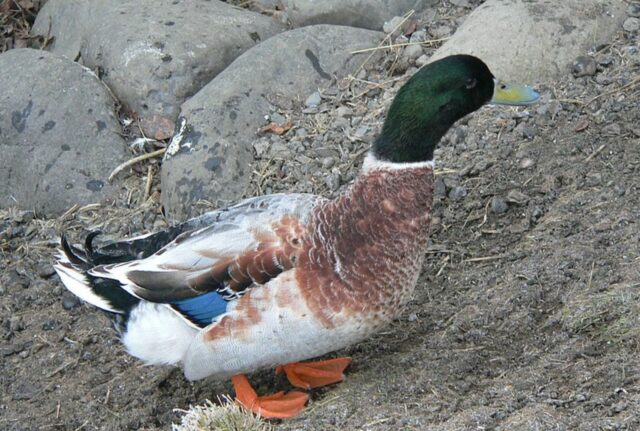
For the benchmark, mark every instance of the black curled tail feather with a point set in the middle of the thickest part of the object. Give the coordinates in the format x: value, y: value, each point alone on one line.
x: 111, y: 253
x: 132, y: 249
x: 75, y: 255
x: 82, y: 260
x: 104, y: 293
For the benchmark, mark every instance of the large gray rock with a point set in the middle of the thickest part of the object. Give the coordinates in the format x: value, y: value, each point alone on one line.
x: 59, y: 137
x: 211, y: 157
x: 533, y: 41
x: 154, y: 54
x: 369, y: 14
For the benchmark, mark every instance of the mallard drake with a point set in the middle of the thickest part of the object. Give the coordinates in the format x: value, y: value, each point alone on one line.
x: 278, y: 279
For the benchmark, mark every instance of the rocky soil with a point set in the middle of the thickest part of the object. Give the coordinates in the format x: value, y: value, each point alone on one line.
x: 527, y: 313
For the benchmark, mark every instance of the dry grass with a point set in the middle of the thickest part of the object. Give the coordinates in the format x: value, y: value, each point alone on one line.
x: 611, y: 316
x: 226, y: 416
x: 16, y: 19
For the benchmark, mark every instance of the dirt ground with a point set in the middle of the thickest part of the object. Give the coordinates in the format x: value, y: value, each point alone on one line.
x: 526, y: 316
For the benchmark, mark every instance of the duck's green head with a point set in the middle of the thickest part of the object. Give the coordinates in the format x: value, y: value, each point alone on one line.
x: 433, y: 99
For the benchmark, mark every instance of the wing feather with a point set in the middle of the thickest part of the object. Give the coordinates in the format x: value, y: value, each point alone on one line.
x: 226, y: 251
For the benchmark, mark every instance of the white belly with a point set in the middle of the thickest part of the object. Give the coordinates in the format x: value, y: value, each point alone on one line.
x: 286, y: 332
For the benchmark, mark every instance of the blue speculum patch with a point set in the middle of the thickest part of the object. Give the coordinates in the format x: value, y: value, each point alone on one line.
x: 202, y: 309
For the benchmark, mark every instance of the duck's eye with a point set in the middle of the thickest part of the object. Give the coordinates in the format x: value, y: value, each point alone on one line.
x: 471, y: 82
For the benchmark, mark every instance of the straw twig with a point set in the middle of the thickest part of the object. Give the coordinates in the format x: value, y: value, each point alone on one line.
x: 135, y: 160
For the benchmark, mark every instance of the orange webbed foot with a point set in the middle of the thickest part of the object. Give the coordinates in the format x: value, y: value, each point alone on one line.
x: 307, y: 375
x: 276, y: 406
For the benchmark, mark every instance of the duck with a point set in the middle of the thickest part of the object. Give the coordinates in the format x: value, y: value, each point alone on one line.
x: 277, y: 280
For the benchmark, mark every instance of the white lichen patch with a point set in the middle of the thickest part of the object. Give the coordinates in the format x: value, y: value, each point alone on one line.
x: 140, y: 49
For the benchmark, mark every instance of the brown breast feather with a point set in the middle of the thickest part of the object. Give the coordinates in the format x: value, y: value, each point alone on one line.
x: 366, y: 247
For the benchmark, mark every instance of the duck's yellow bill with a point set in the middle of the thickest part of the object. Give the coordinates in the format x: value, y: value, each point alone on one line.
x: 513, y: 94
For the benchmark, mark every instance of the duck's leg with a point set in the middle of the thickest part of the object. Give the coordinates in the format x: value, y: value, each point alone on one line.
x: 307, y: 375
x: 276, y: 406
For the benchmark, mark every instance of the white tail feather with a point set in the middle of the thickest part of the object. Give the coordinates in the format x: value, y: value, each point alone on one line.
x: 157, y: 335
x: 77, y: 283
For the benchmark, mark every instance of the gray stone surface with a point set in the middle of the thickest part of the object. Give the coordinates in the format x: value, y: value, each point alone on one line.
x: 534, y: 41
x: 154, y: 54
x: 211, y: 158
x: 631, y: 24
x: 59, y: 137
x: 369, y: 14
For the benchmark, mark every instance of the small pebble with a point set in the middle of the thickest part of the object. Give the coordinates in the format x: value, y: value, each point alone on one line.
x: 498, y: 205
x: 594, y: 179
x: 340, y: 123
x: 326, y: 152
x: 543, y: 109
x: 555, y: 107
x: 527, y: 132
x: 521, y: 227
x: 619, y: 189
x: 50, y: 325
x: 631, y: 24
x: 328, y: 162
x: 418, y: 36
x: 605, y: 61
x: 611, y: 129
x: 482, y: 165
x: 333, y: 181
x: 450, y: 182
x: 45, y: 270
x: 70, y: 301
x: 527, y: 163
x: 441, y: 31
x: 24, y: 217
x: 376, y: 91
x: 634, y: 9
x: 413, y: 51
x: 362, y: 131
x: 279, y: 149
x: 16, y: 323
x: 412, y: 317
x: 13, y: 232
x: 275, y: 117
x: 457, y: 193
x: 390, y: 25
x: 537, y: 213
x: 457, y: 135
x: 583, y: 66
x: 344, y: 112
x: 422, y: 60
x: 22, y: 282
x: 313, y: 101
x: 93, y: 339
x: 517, y: 197
x: 24, y: 391
x: 439, y: 187
x: 30, y: 230
x: 602, y: 226
x: 619, y: 407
